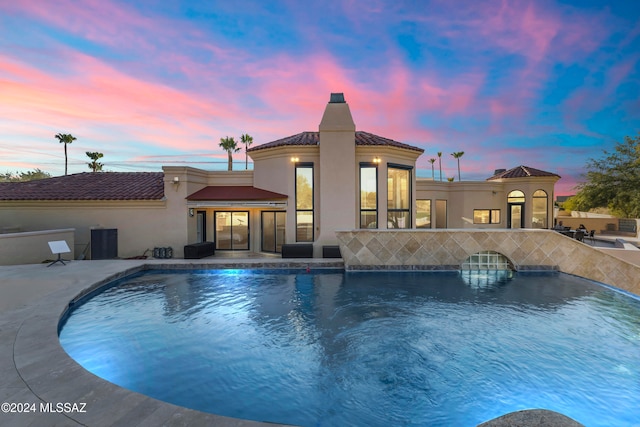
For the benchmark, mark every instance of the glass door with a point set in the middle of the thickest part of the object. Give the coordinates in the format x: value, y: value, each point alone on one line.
x: 516, y: 215
x: 232, y: 230
x: 201, y: 230
x: 273, y: 227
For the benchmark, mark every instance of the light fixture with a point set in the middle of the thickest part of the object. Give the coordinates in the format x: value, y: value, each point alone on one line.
x: 176, y: 180
x: 190, y: 211
x: 376, y: 160
x: 294, y: 159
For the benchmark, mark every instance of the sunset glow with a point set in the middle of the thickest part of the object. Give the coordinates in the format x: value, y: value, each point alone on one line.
x: 547, y: 84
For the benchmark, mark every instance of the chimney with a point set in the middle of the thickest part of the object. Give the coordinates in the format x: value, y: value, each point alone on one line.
x: 337, y: 98
x: 499, y: 171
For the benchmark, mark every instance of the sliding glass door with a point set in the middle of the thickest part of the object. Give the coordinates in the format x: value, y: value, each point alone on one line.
x: 232, y: 230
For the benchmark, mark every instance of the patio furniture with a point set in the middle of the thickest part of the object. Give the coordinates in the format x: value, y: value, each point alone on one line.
x: 297, y: 250
x: 59, y: 247
x: 199, y: 250
x: 331, y: 251
x: 591, y: 237
x: 579, y: 236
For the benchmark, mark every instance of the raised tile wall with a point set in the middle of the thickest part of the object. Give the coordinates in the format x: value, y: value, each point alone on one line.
x: 448, y: 249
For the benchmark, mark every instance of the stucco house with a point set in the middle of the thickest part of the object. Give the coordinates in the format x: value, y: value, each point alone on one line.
x: 302, y: 189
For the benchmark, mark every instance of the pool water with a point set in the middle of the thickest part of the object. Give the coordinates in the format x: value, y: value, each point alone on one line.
x: 366, y: 349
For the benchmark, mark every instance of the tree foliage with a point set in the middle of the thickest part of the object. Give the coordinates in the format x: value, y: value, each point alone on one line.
x: 247, y: 140
x: 94, y: 165
x: 457, y: 156
x: 229, y: 145
x: 613, y: 181
x: 24, y: 176
x: 65, y: 138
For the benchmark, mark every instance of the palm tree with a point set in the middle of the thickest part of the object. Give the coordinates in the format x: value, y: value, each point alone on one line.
x: 247, y: 140
x: 457, y: 155
x: 433, y: 173
x: 65, y: 138
x: 440, y: 162
x: 94, y: 165
x: 229, y: 145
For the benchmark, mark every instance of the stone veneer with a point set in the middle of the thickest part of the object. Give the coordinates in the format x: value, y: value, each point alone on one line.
x: 448, y: 248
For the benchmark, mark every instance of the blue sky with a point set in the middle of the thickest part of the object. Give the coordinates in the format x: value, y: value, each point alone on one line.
x: 546, y: 84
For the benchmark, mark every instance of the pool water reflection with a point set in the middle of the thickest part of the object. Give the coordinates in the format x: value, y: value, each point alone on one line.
x: 373, y: 349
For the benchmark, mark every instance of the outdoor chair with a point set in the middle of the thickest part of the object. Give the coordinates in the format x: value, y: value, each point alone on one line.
x: 579, y: 236
x: 591, y: 237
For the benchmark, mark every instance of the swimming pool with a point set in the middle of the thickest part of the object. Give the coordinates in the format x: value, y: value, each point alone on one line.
x: 335, y: 348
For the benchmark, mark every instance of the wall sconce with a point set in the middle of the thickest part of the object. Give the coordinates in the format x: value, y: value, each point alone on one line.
x: 190, y: 211
x: 376, y: 160
x: 176, y: 180
x: 295, y: 160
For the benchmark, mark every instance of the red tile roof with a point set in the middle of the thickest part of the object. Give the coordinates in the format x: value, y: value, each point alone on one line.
x: 521, y: 172
x: 234, y: 193
x: 313, y: 138
x: 88, y: 186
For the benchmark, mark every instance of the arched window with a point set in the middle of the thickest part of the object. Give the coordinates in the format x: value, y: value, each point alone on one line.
x: 540, y: 204
x: 515, y: 211
x: 516, y: 196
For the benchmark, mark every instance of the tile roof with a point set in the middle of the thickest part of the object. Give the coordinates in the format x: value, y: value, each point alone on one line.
x: 234, y: 193
x: 521, y: 172
x: 88, y: 186
x: 313, y: 138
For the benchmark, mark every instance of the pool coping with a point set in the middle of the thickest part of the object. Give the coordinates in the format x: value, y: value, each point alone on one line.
x: 38, y: 374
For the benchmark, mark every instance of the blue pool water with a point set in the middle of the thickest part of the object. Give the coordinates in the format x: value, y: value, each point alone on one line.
x: 366, y: 349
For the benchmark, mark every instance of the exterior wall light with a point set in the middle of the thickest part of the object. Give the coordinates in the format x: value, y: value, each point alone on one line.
x: 295, y: 160
x: 376, y: 160
x: 176, y: 180
x: 190, y: 211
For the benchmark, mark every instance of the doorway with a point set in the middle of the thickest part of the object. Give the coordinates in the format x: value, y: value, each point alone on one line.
x: 273, y: 229
x: 201, y: 227
x: 516, y: 215
x: 232, y: 230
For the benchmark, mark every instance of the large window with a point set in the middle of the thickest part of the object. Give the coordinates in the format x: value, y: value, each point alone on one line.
x: 486, y: 216
x: 423, y: 213
x: 540, y: 202
x: 304, y: 202
x: 368, y: 196
x: 398, y: 197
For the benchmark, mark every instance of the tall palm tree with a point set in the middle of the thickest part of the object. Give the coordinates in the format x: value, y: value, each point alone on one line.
x: 433, y: 172
x: 247, y: 140
x: 229, y: 145
x: 440, y: 162
x: 94, y: 165
x: 65, y: 138
x: 457, y: 155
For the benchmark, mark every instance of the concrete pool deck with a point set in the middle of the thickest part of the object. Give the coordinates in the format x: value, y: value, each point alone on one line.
x: 38, y: 376
x: 37, y: 373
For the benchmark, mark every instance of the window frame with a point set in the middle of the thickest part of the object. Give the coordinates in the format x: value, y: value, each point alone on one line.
x: 490, y: 216
x: 407, y: 210
x: 305, y: 165
x: 546, y: 208
x: 368, y: 165
x: 430, y: 212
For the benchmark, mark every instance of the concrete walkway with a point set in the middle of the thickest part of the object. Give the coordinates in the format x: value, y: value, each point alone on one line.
x: 37, y: 374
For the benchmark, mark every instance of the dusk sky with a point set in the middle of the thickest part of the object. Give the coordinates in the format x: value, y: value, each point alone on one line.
x: 546, y: 84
